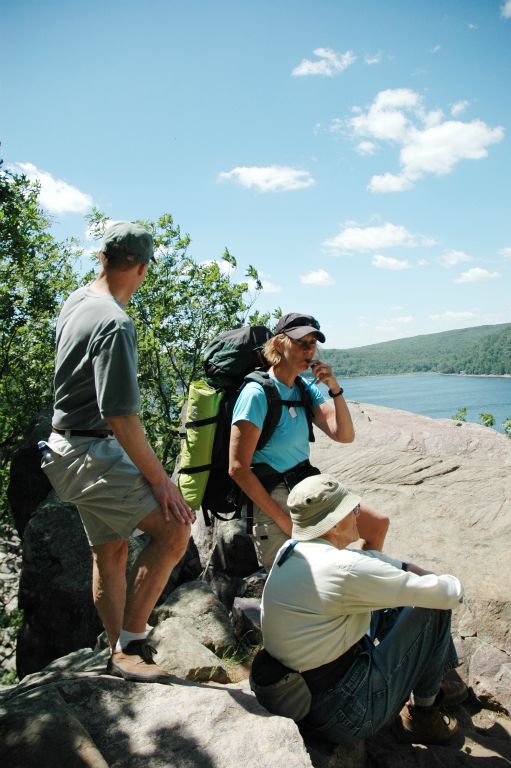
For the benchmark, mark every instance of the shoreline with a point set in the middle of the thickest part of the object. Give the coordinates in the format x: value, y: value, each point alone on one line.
x: 427, y: 373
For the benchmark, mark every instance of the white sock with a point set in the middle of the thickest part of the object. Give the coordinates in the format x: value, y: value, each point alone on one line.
x: 126, y: 637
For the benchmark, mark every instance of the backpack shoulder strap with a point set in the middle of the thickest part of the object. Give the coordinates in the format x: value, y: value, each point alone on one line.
x: 274, y: 404
x: 306, y: 398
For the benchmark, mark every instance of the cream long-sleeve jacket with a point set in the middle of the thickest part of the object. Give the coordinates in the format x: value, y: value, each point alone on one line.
x: 318, y: 603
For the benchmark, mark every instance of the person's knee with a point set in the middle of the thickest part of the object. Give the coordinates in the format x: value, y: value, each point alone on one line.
x: 382, y: 524
x: 110, y: 557
x: 171, y: 537
x: 177, y: 540
x: 373, y: 525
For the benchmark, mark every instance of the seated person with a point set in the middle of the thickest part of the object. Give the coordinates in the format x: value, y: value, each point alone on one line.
x: 323, y: 606
x: 290, y: 353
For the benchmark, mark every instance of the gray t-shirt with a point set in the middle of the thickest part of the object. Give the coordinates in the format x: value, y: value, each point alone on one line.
x: 96, y: 366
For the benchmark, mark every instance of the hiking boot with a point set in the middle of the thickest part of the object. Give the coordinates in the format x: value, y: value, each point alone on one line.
x: 135, y: 663
x: 453, y: 690
x: 425, y: 725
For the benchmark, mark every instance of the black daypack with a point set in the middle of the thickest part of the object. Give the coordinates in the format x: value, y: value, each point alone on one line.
x: 230, y: 362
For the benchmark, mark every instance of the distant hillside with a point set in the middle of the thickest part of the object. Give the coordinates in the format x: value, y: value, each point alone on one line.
x: 485, y: 349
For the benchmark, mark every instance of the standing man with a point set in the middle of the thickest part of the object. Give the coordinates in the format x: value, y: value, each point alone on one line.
x: 99, y: 457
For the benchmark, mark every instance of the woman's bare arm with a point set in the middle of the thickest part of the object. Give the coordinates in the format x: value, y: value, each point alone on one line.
x: 244, y: 437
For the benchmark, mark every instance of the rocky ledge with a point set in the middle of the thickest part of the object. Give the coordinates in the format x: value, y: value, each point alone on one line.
x: 447, y: 488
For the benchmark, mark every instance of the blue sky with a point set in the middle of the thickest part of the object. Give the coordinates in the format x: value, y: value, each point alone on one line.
x: 356, y: 152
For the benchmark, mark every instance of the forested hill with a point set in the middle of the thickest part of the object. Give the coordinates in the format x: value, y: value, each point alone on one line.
x: 485, y: 349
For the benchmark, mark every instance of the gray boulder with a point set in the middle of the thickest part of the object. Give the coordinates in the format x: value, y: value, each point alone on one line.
x: 227, y: 554
x: 55, y: 588
x: 81, y: 718
x: 195, y: 607
x: 246, y: 620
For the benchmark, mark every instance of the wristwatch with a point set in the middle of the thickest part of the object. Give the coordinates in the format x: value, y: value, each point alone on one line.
x: 335, y: 394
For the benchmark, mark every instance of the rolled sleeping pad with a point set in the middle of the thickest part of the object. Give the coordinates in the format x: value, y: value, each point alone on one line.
x: 197, y: 445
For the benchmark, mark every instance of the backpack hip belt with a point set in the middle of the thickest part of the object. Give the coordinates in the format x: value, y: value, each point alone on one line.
x: 270, y: 478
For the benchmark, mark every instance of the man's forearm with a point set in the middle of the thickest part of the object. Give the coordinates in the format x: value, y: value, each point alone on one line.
x: 412, y: 568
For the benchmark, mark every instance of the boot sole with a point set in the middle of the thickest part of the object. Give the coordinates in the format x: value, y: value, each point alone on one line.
x: 115, y: 671
x: 407, y: 737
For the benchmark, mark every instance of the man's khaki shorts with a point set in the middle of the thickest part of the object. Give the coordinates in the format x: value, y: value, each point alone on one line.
x: 267, y: 536
x: 98, y: 476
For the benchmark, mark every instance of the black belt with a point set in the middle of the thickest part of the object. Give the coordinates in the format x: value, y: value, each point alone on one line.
x: 321, y: 678
x: 83, y: 432
x: 266, y: 670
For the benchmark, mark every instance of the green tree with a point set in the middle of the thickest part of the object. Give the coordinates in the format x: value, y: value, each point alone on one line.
x: 507, y: 426
x: 178, y: 309
x: 35, y: 274
x: 461, y: 414
x: 488, y: 419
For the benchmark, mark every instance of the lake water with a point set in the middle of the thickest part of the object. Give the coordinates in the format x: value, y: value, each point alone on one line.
x: 434, y: 395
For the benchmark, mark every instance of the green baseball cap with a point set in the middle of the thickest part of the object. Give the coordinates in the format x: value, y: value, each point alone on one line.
x: 317, y: 504
x: 130, y: 241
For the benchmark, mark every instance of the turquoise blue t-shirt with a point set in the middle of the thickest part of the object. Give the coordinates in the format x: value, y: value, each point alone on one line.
x: 289, y: 444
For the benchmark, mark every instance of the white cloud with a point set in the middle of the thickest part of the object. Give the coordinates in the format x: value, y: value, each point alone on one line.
x: 428, y: 143
x: 385, y: 119
x: 458, y: 107
x: 336, y: 126
x: 329, y: 63
x: 506, y: 9
x: 472, y: 26
x: 389, y: 182
x: 271, y: 178
x: 317, y: 277
x: 435, y: 49
x: 56, y: 195
x: 366, y: 148
x: 372, y: 58
x: 506, y: 252
x: 268, y: 286
x: 451, y: 258
x: 438, y: 149
x: 225, y: 267
x: 387, y: 262
x: 364, y: 239
x: 476, y: 275
x: 450, y: 314
x: 404, y: 320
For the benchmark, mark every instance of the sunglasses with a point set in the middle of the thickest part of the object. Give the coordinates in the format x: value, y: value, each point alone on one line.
x: 305, y: 345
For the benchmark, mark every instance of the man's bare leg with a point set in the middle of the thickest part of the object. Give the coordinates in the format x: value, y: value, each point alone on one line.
x: 153, y: 567
x: 109, y: 585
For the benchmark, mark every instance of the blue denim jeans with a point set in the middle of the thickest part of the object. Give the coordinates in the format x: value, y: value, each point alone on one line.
x: 415, y: 650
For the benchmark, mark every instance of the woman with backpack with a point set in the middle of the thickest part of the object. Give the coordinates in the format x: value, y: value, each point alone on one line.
x: 266, y: 475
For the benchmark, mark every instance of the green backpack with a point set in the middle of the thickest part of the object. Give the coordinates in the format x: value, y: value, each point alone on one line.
x: 230, y: 361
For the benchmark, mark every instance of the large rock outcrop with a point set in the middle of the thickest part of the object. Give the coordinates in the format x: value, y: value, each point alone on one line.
x: 71, y: 714
x: 446, y: 486
x: 447, y: 489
